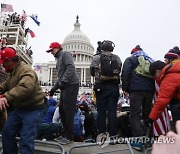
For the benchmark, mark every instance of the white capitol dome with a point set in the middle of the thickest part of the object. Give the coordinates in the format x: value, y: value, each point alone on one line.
x: 77, y: 41
x: 79, y: 45
x: 76, y: 35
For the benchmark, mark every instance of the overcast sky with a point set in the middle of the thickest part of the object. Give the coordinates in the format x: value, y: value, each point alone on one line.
x: 154, y: 24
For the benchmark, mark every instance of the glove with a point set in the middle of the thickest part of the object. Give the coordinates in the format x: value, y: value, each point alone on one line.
x: 51, y: 92
x: 62, y: 85
x: 149, y: 122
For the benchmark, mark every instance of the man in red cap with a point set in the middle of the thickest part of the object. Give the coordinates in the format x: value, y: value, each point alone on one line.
x: 68, y: 83
x: 25, y: 101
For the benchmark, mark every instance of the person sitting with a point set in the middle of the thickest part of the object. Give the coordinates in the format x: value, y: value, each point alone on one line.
x: 52, y: 107
x: 48, y: 130
x: 89, y: 122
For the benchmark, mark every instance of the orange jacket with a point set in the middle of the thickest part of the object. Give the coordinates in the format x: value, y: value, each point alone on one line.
x: 169, y: 88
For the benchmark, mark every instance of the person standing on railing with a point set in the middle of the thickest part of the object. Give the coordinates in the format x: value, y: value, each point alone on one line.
x: 68, y: 83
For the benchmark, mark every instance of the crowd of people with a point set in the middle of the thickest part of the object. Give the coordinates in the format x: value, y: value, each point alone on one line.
x: 51, y: 127
x: 143, y: 82
x: 12, y: 19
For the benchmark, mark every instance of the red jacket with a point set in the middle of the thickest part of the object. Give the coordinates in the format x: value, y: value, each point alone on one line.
x: 169, y: 88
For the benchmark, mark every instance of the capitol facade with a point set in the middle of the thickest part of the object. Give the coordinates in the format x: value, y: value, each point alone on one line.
x: 79, y: 45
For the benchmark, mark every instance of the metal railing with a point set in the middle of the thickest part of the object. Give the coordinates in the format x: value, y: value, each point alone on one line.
x: 61, y: 149
x: 148, y: 150
x: 51, y: 143
x: 95, y: 144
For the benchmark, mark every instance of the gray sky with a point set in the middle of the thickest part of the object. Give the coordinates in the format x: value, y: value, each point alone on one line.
x: 154, y: 24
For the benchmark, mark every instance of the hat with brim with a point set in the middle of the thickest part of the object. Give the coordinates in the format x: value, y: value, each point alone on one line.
x: 49, y: 50
x: 53, y: 45
x: 6, y: 53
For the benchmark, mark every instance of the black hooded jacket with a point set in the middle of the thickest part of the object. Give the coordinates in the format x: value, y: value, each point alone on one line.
x: 132, y: 81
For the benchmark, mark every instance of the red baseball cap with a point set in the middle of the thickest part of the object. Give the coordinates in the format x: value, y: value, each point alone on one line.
x: 6, y: 53
x: 53, y: 45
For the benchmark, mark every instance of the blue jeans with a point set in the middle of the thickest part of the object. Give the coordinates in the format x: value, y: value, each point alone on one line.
x: 107, y: 98
x: 24, y: 122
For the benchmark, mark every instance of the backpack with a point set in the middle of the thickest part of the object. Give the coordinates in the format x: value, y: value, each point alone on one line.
x: 77, y: 127
x: 143, y: 67
x: 109, y: 67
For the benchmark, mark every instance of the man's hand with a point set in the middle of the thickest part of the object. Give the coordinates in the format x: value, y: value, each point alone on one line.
x: 148, y: 122
x: 51, y: 92
x: 125, y: 93
x: 3, y: 103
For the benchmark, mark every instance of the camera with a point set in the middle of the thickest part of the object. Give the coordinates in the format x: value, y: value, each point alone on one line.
x: 99, y: 48
x: 106, y: 45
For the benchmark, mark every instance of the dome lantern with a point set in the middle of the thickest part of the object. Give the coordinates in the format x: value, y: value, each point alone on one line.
x: 77, y: 24
x: 77, y: 35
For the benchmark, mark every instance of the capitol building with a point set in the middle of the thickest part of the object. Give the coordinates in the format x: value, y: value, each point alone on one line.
x: 79, y: 45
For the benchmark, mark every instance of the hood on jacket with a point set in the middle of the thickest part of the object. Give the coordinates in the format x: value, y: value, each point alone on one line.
x: 176, y: 67
x: 173, y: 67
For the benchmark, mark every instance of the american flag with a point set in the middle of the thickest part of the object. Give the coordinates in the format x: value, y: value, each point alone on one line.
x: 82, y: 97
x: 38, y: 68
x: 24, y: 16
x: 162, y: 125
x: 6, y: 8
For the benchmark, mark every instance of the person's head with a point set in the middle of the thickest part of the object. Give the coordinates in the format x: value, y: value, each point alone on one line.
x: 170, y: 56
x: 8, y: 58
x: 156, y: 67
x: 107, y: 45
x: 84, y: 107
x: 175, y: 50
x: 137, y: 48
x: 54, y: 48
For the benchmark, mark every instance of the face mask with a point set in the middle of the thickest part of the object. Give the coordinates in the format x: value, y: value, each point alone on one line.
x: 7, y: 69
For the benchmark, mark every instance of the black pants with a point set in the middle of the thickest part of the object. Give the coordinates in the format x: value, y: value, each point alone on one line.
x: 67, y: 108
x: 175, y: 110
x: 140, y: 107
x: 47, y: 130
x: 107, y: 98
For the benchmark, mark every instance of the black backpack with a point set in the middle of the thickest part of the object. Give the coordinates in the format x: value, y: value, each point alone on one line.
x: 109, y: 67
